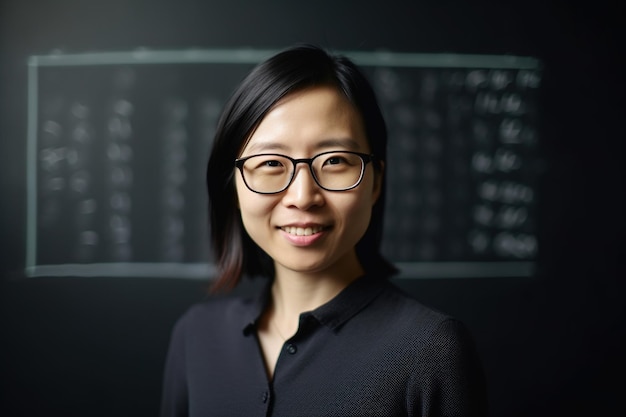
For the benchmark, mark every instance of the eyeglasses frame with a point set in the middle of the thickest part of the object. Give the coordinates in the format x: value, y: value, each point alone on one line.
x: 365, y: 158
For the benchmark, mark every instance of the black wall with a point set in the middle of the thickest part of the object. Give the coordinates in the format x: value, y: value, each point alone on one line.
x: 552, y: 344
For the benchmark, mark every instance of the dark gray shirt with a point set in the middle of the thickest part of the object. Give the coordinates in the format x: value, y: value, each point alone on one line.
x: 370, y: 351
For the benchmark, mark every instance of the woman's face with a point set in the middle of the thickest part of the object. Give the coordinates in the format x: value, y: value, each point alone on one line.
x: 306, y: 228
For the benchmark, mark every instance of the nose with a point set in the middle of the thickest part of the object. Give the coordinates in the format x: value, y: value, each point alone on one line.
x: 303, y: 192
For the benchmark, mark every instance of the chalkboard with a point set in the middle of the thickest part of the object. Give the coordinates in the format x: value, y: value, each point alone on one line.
x: 118, y: 144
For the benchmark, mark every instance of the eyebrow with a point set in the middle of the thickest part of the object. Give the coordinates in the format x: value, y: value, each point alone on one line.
x: 266, y: 146
x: 347, y: 143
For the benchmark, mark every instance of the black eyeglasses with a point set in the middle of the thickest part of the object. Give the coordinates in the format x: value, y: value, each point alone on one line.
x: 271, y: 173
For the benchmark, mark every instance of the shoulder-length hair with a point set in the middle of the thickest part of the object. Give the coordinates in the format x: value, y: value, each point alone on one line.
x: 288, y: 71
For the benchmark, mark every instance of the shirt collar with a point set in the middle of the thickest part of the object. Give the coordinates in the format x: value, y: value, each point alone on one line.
x: 255, y: 307
x: 334, y: 313
x: 354, y: 298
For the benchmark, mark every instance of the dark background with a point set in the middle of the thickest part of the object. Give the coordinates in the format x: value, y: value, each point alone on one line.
x: 552, y: 344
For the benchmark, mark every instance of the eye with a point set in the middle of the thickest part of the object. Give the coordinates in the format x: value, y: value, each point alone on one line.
x: 265, y: 162
x: 272, y: 163
x: 335, y: 160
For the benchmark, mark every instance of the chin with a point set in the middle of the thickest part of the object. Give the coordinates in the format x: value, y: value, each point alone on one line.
x: 306, y: 267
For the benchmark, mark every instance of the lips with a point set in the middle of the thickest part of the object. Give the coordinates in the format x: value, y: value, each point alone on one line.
x: 302, y: 231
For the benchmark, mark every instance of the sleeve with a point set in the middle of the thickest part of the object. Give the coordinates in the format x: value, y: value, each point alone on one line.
x: 174, y: 400
x: 448, y: 379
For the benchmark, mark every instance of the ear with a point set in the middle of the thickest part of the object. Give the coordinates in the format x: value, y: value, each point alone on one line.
x: 379, y: 174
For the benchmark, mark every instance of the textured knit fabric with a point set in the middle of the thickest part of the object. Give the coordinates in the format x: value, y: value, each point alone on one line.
x: 370, y: 351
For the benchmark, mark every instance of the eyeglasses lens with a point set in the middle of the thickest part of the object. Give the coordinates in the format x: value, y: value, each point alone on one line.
x: 334, y: 171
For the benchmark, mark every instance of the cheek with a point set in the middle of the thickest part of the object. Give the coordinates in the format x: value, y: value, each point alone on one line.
x: 367, y: 201
x: 358, y: 212
x: 252, y: 206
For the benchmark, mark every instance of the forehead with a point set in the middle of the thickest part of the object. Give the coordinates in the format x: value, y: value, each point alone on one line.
x: 314, y: 118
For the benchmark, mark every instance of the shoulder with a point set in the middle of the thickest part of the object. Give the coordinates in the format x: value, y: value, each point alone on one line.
x: 445, y: 375
x: 406, y: 309
x: 230, y: 311
x: 442, y: 347
x: 423, y: 326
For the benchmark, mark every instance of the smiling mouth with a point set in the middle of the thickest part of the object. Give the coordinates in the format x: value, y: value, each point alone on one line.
x: 302, y: 231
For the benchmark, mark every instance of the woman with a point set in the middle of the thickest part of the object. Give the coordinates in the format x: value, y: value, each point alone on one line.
x: 296, y: 191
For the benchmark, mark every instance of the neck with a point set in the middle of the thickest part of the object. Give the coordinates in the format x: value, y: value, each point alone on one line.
x: 294, y: 293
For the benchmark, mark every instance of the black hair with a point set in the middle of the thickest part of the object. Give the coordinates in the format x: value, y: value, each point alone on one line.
x: 291, y: 70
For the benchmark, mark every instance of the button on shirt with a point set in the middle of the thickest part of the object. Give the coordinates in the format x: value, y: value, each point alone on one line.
x: 370, y: 351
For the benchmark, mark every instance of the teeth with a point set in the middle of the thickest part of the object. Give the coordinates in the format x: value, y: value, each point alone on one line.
x: 302, y: 231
